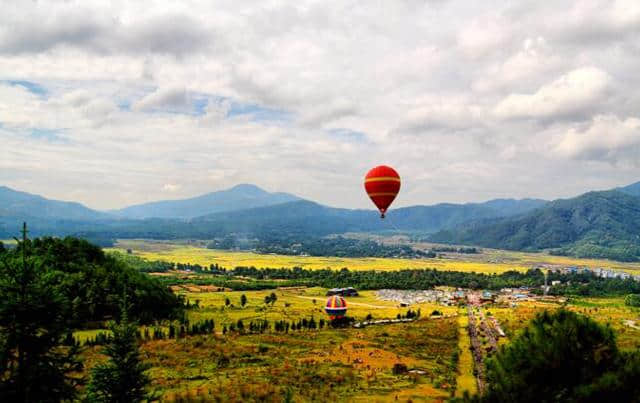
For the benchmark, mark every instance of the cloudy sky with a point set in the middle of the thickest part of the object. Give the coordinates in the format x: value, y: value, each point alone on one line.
x: 125, y: 102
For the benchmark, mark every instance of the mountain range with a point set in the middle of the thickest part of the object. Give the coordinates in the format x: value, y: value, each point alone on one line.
x: 245, y: 209
x: 596, y: 224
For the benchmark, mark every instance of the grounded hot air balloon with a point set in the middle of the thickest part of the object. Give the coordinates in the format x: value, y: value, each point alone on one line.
x: 382, y: 184
x: 336, y: 307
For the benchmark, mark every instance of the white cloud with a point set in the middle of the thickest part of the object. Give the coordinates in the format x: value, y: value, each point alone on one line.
x: 573, y: 93
x: 306, y: 96
x: 170, y: 187
x: 166, y: 99
x: 607, y: 138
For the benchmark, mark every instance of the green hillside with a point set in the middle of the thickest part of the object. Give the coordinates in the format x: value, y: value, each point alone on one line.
x: 596, y: 224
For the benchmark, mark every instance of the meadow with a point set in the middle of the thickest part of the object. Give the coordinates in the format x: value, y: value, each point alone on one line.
x: 293, y: 305
x: 307, y: 365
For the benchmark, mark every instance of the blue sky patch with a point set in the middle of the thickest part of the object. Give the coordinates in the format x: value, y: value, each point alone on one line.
x: 348, y: 135
x: 49, y: 135
x: 30, y: 86
x: 258, y: 113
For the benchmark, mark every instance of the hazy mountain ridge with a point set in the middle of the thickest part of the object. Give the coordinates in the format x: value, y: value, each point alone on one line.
x: 239, y: 197
x: 293, y: 215
x: 14, y: 203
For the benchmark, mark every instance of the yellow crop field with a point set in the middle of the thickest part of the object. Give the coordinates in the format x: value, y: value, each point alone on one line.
x: 489, y: 261
x: 230, y: 259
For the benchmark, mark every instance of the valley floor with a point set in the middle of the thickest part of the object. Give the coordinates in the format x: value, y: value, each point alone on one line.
x: 488, y: 261
x: 343, y: 364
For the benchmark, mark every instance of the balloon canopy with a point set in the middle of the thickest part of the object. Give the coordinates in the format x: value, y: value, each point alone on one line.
x: 336, y: 307
x: 382, y: 184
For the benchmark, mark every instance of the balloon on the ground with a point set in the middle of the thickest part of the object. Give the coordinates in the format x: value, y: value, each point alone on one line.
x: 382, y: 184
x: 336, y: 307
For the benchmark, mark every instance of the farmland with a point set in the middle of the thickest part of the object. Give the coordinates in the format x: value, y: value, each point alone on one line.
x: 489, y: 261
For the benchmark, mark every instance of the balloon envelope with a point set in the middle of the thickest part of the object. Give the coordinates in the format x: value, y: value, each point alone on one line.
x: 336, y: 307
x: 382, y: 184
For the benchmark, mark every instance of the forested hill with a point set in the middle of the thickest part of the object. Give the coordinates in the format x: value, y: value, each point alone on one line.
x: 633, y: 189
x: 314, y: 219
x: 239, y: 197
x: 596, y: 224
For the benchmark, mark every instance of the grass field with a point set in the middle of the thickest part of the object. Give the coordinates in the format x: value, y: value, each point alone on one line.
x: 294, y: 305
x: 335, y: 364
x: 310, y: 365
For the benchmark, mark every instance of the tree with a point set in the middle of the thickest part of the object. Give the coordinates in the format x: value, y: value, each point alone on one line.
x: 34, y: 321
x: 243, y: 300
x: 632, y: 300
x: 562, y: 356
x: 122, y: 378
x: 227, y: 301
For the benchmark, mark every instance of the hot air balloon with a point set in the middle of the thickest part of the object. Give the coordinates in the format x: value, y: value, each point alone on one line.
x: 382, y: 184
x: 336, y: 307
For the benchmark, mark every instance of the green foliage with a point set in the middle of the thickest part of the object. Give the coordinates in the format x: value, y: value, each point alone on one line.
x: 35, y: 319
x: 122, y: 378
x: 93, y: 281
x: 632, y: 300
x: 562, y: 356
x: 143, y: 265
x: 271, y: 298
x: 296, y: 244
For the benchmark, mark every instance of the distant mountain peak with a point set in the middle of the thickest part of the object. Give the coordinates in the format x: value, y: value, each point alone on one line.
x: 238, y: 197
x: 246, y: 186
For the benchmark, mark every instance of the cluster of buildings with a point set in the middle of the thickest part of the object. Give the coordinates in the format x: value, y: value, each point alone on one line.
x: 344, y: 292
x: 410, y: 297
x: 597, y: 271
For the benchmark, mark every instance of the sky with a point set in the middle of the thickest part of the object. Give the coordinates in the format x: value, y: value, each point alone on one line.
x: 117, y: 103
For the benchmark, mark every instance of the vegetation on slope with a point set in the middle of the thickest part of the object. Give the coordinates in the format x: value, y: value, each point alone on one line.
x: 596, y: 224
x: 93, y: 282
x: 563, y: 356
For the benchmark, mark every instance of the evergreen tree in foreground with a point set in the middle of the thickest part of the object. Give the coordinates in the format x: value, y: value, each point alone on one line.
x: 563, y: 357
x: 122, y: 378
x: 34, y: 321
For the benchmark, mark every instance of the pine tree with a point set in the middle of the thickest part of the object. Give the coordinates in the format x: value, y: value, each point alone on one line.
x: 243, y: 300
x: 34, y: 321
x: 122, y: 378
